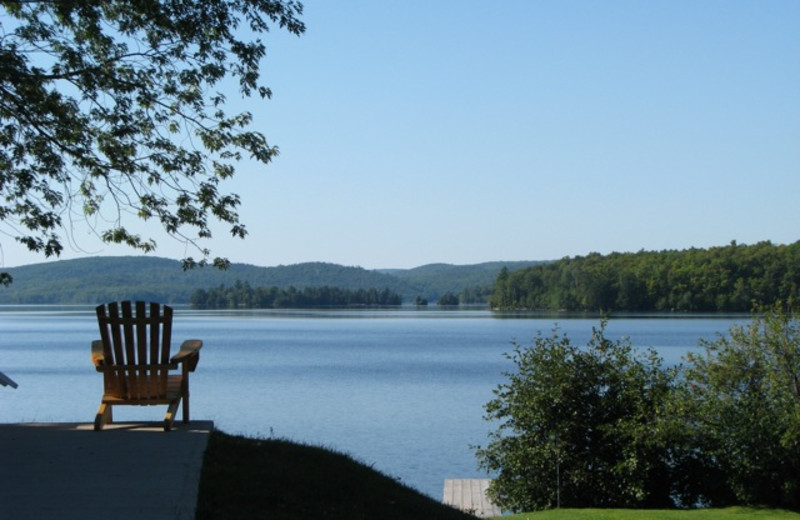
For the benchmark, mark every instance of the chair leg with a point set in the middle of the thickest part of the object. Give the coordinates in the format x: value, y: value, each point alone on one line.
x: 185, y: 407
x: 185, y: 393
x: 103, y: 417
x: 170, y: 417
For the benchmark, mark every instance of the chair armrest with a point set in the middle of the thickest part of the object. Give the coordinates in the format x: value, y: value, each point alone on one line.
x: 98, y: 356
x: 189, y: 353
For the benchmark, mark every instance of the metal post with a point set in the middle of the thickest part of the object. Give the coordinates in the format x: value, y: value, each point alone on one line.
x: 558, y: 483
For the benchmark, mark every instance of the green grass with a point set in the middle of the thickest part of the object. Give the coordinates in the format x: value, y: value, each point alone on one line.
x: 731, y: 513
x: 250, y: 479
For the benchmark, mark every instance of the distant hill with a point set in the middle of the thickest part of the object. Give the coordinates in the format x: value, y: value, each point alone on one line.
x: 434, y: 280
x: 100, y: 279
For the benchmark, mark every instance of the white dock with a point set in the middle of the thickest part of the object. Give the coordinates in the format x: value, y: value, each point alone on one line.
x: 469, y: 495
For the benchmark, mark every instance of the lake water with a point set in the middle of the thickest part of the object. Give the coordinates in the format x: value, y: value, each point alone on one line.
x: 401, y: 390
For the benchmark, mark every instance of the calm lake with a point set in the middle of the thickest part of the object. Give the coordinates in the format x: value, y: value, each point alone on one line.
x: 401, y: 390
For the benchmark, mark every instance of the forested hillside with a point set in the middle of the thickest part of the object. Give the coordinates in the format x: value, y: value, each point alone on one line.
x: 92, y: 280
x: 733, y: 278
x: 470, y: 283
x: 99, y: 279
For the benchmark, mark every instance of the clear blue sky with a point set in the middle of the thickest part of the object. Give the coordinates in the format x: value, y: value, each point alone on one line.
x: 466, y: 131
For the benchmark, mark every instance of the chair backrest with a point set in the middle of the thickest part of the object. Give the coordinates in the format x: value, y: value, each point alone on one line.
x: 136, y: 348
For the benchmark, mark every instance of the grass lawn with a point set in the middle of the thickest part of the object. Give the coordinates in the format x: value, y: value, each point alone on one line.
x: 246, y: 479
x: 249, y: 479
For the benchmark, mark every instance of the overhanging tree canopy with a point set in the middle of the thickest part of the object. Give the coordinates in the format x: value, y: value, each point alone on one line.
x: 113, y: 109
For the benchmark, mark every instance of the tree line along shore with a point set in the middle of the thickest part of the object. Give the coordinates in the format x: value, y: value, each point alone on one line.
x: 733, y: 278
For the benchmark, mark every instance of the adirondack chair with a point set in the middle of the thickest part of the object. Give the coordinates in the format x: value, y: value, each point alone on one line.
x: 133, y: 353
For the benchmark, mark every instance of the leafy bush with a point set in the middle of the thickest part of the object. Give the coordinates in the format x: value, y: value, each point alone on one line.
x: 607, y: 425
x: 579, y: 426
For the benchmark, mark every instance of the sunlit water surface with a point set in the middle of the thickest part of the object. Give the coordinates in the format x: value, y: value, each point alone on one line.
x: 400, y: 390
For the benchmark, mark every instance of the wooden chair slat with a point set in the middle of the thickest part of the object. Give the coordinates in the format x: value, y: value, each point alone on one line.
x: 128, y: 334
x: 105, y: 338
x: 113, y: 333
x: 166, y: 339
x: 114, y: 324
x: 141, y: 334
x: 155, y: 346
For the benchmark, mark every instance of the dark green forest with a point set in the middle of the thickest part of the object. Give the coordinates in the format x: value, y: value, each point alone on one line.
x: 732, y: 278
x: 243, y: 295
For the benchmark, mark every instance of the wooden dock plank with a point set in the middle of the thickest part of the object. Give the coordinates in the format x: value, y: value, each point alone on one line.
x: 469, y: 495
